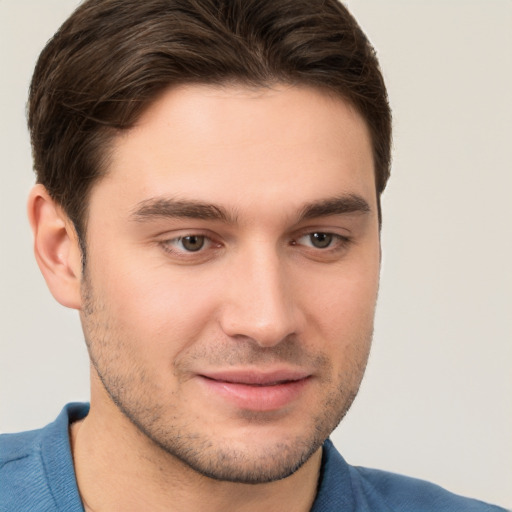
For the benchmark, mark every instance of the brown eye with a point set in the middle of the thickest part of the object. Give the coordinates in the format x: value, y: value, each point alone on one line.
x: 192, y: 243
x: 321, y: 240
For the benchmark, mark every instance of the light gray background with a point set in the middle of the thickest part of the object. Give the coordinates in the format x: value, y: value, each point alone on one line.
x: 437, y: 399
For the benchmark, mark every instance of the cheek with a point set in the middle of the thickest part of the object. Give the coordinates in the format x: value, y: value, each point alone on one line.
x: 345, y: 296
x: 152, y: 310
x: 341, y: 316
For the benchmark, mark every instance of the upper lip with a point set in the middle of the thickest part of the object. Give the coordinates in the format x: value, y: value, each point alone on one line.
x: 256, y: 377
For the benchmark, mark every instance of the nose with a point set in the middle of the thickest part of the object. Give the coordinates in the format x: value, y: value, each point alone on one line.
x: 259, y: 300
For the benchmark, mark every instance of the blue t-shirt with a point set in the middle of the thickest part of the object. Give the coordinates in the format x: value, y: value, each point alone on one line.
x: 36, y: 474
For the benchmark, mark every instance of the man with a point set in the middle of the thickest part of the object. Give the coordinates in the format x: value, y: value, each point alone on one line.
x: 208, y: 198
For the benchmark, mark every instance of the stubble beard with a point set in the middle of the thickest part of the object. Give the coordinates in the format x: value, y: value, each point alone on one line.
x: 132, y: 391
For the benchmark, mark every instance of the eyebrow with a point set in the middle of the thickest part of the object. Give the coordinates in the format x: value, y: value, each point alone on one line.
x: 172, y: 208
x: 345, y: 204
x: 154, y: 208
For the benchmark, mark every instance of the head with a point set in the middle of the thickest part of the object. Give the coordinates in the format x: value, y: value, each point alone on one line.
x: 216, y: 169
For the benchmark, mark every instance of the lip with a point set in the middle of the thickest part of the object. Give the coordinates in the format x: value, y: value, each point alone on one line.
x: 256, y: 390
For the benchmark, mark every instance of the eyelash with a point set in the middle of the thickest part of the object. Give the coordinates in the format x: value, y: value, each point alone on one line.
x: 337, y: 244
x: 167, y: 245
x: 336, y: 241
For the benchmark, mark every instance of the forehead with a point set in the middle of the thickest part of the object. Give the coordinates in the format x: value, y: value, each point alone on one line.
x: 242, y: 147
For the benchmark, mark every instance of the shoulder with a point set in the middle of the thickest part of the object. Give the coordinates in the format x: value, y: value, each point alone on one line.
x: 21, y: 471
x: 400, y: 492
x: 383, y: 491
x: 36, y: 468
x: 16, y: 447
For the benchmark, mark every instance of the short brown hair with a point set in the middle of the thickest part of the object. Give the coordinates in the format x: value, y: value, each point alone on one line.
x: 111, y: 58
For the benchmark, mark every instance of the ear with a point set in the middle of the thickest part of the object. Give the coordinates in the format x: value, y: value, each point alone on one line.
x: 56, y: 247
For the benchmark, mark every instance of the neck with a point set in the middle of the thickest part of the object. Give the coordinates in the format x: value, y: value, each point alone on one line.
x: 118, y: 468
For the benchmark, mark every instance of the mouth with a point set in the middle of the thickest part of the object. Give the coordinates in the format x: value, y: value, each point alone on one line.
x: 254, y: 390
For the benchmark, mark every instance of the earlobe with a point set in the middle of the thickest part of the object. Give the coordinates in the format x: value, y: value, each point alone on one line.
x: 56, y: 247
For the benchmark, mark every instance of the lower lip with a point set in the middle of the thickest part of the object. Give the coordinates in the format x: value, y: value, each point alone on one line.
x: 257, y: 398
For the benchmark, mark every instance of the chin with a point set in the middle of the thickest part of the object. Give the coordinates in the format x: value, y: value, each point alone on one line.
x: 248, y: 465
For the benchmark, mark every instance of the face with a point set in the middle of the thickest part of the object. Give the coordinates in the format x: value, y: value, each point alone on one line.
x: 232, y: 273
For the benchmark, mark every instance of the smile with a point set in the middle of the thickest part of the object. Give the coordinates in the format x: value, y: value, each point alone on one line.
x: 256, y: 391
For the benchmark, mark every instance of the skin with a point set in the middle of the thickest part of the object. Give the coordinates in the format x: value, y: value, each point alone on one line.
x: 261, y: 295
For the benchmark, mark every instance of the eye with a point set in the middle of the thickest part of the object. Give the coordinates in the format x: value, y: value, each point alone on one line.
x: 321, y: 240
x: 191, y: 248
x: 191, y: 243
x: 186, y: 244
x: 322, y: 245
